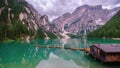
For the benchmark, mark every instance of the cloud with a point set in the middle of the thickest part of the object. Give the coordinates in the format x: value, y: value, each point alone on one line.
x: 109, y: 4
x: 55, y: 8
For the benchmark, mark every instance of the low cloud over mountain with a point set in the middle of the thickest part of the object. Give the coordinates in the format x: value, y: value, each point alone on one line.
x: 55, y: 8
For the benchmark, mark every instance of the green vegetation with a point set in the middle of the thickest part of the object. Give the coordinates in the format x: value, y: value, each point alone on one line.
x: 2, y: 3
x: 110, y: 30
x: 51, y: 35
x: 40, y: 34
x: 11, y: 28
x: 75, y: 35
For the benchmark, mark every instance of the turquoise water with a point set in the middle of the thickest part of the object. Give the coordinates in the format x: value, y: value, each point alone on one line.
x: 26, y: 55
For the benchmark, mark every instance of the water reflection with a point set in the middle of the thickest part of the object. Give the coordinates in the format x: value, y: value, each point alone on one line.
x: 56, y: 62
x: 26, y: 55
x: 78, y: 43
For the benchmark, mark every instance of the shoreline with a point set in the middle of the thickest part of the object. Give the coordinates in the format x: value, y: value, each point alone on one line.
x: 116, y: 38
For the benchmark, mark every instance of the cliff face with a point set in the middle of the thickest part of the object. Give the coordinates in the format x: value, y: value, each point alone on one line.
x: 84, y: 19
x: 18, y: 19
x: 110, y: 30
x: 33, y: 19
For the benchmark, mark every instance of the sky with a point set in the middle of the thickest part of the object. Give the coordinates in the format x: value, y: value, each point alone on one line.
x: 55, y: 8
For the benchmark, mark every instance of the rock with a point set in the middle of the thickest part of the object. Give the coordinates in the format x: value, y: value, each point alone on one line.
x: 84, y: 19
x: 20, y: 20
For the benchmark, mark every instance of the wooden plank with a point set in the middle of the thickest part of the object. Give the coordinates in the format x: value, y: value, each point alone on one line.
x: 60, y: 47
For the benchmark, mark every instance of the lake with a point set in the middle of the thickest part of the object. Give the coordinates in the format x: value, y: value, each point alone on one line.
x: 21, y: 54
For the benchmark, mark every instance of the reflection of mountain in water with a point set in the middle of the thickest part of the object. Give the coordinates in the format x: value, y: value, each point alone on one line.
x: 25, y: 55
x: 56, y: 62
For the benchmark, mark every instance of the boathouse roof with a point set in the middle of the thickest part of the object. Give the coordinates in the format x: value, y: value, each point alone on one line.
x: 109, y: 48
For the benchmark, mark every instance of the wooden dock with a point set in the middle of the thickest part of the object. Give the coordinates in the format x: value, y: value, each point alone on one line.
x: 87, y: 50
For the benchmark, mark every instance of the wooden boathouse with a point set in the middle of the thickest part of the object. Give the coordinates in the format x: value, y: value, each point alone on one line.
x: 106, y: 52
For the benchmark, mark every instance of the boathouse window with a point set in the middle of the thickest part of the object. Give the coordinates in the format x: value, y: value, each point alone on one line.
x: 102, y: 54
x: 94, y: 50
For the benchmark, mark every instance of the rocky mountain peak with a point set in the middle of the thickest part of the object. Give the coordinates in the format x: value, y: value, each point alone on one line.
x: 83, y: 6
x: 45, y: 17
x: 98, y: 7
x: 66, y: 15
x: 84, y: 19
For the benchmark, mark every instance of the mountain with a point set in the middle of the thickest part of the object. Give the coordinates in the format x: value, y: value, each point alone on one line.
x: 84, y: 19
x: 19, y: 20
x: 110, y: 30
